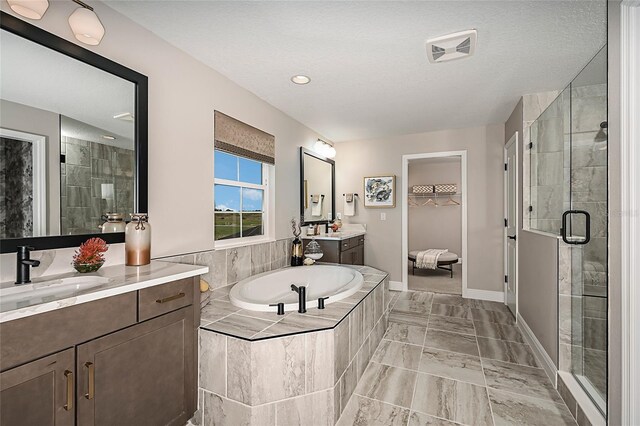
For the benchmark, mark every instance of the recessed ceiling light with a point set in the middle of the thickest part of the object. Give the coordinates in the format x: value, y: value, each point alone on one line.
x: 111, y: 138
x: 300, y: 79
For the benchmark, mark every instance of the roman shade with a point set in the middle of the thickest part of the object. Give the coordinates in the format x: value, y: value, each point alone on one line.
x: 235, y: 137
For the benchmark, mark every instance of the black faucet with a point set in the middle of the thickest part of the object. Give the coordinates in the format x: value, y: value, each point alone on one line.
x: 24, y: 264
x: 302, y: 297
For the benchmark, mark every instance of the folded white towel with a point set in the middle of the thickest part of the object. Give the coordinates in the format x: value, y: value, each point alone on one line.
x: 428, y: 259
x: 350, y: 207
x: 316, y: 207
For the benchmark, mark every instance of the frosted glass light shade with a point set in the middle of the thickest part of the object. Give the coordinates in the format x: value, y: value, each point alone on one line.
x: 86, y: 26
x: 32, y: 9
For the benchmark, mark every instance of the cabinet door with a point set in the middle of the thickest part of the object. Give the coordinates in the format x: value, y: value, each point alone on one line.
x: 142, y: 375
x: 347, y: 257
x: 39, y: 393
x: 358, y: 255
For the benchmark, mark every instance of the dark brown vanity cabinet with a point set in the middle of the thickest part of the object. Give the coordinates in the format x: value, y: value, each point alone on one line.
x: 40, y: 392
x: 141, y: 373
x: 349, y: 251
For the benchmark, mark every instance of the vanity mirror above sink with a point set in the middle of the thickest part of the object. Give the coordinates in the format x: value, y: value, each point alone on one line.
x: 73, y: 136
x: 317, y: 188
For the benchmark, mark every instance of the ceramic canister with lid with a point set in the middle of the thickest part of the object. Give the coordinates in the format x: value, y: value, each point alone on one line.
x: 137, y: 240
x: 114, y: 222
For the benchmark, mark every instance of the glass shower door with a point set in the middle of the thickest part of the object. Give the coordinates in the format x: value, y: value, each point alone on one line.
x: 585, y: 226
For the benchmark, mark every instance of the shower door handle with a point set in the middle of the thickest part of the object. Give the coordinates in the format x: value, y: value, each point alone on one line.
x: 570, y: 239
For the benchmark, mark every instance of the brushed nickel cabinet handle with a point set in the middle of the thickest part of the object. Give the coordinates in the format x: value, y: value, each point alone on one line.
x: 169, y: 299
x: 69, y: 405
x: 92, y: 380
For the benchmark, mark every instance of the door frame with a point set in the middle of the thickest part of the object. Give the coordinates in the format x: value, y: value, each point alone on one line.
x: 405, y: 212
x: 629, y: 105
x: 514, y: 139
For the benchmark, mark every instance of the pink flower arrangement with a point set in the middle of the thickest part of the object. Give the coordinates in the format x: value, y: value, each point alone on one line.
x: 90, y: 255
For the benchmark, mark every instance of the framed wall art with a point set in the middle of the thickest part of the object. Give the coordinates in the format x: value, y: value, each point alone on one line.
x: 380, y: 191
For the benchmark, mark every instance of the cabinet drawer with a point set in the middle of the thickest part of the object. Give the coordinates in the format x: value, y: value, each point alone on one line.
x: 356, y: 241
x: 158, y: 300
x: 345, y: 244
x: 26, y: 339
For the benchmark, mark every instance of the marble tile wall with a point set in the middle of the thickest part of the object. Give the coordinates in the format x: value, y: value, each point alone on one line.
x: 297, y: 379
x: 16, y: 188
x: 87, y: 167
x: 228, y: 266
x: 533, y: 105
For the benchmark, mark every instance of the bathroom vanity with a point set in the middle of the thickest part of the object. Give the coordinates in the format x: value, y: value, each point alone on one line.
x: 119, y: 352
x: 346, y: 247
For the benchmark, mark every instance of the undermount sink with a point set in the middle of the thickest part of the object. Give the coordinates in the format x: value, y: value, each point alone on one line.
x: 43, y: 289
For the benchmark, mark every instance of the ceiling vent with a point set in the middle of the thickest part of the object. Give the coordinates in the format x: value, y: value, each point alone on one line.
x: 452, y: 46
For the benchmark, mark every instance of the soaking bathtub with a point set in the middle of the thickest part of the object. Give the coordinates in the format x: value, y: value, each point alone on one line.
x: 260, y: 291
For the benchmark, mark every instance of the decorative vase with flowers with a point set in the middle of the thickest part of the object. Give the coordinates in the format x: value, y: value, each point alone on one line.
x: 90, y: 255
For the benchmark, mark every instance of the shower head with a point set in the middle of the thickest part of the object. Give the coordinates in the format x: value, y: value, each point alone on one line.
x: 601, y: 136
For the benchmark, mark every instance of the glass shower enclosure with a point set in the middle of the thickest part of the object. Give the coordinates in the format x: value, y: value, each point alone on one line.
x: 568, y: 199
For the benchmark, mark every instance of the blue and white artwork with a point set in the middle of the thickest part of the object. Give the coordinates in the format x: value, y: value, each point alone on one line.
x: 380, y: 191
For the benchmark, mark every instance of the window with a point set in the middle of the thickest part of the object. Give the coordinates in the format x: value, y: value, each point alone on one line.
x: 240, y: 194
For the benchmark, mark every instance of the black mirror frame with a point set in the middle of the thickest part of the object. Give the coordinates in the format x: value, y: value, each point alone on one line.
x: 303, y: 152
x: 37, y: 35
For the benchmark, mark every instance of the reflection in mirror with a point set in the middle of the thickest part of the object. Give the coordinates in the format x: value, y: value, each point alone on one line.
x: 67, y: 140
x: 317, y: 187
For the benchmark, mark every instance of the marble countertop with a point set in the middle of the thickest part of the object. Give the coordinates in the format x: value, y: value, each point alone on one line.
x: 336, y: 236
x: 221, y: 316
x: 53, y: 292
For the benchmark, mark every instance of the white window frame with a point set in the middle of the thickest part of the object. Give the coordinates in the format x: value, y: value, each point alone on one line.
x: 267, y: 202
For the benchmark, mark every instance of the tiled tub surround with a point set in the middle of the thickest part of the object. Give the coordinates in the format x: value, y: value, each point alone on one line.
x: 259, y: 368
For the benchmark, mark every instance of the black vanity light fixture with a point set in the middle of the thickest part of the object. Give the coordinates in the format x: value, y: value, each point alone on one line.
x: 84, y: 22
x: 324, y: 148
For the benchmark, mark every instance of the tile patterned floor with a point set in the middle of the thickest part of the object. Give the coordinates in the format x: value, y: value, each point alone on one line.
x: 445, y: 360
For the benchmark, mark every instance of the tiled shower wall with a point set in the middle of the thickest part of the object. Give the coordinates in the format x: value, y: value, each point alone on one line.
x: 95, y: 179
x: 16, y: 188
x: 532, y: 106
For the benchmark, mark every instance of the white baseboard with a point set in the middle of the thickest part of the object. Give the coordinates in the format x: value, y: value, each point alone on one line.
x: 493, y: 296
x: 542, y: 356
x: 396, y: 286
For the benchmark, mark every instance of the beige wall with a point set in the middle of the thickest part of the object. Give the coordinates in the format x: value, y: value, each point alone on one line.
x: 484, y: 145
x: 430, y: 226
x: 183, y: 93
x: 15, y: 116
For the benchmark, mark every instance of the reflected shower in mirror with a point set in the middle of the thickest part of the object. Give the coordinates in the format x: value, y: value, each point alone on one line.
x: 67, y: 136
x: 317, y: 187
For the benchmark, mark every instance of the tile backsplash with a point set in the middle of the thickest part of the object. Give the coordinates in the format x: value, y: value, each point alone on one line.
x: 226, y: 266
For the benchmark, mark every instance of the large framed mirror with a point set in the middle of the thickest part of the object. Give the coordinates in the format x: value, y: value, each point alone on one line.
x: 73, y: 136
x: 317, y: 187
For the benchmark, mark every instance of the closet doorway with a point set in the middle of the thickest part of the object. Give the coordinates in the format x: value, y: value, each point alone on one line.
x: 434, y: 222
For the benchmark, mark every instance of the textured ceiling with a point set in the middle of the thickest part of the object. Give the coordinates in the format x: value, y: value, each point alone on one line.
x: 367, y: 61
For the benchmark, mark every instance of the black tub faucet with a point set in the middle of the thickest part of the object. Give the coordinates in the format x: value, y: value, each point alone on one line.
x: 24, y: 264
x: 302, y: 297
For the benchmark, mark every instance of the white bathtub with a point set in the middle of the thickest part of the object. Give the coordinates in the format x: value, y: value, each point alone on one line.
x: 260, y: 291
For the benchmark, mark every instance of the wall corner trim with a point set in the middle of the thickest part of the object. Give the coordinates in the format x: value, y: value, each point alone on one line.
x: 396, y: 286
x: 541, y: 355
x: 490, y: 295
